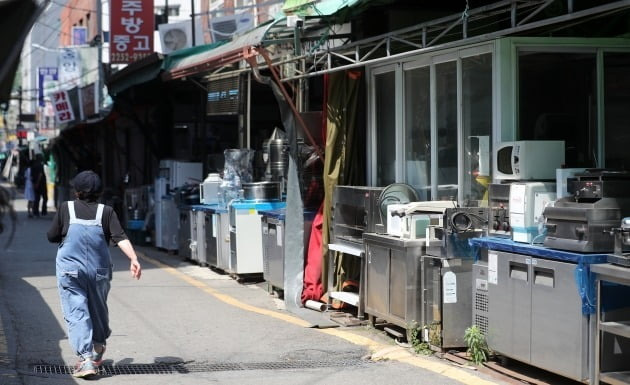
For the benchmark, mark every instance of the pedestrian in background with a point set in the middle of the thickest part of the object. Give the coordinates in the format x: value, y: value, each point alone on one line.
x: 29, y: 192
x: 84, y: 228
x: 40, y: 185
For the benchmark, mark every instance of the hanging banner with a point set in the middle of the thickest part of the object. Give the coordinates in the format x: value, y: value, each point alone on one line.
x: 131, y: 29
x: 87, y: 100
x: 69, y: 68
x: 62, y: 106
x: 79, y: 35
x: 47, y: 82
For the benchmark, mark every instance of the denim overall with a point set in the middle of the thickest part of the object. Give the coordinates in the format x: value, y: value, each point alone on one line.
x: 84, y: 272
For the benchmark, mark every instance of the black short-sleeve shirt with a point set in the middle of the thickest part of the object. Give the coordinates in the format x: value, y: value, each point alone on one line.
x: 86, y: 210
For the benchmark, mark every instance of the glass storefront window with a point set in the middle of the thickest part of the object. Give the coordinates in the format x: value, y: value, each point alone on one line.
x: 446, y: 118
x: 418, y: 131
x: 617, y: 109
x: 557, y: 100
x: 385, y: 99
x: 477, y: 125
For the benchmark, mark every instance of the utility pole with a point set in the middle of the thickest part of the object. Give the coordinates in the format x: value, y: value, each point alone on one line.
x: 192, y: 15
x: 99, y: 45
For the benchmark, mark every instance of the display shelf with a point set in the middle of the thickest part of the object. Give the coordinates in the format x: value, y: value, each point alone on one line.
x: 616, y: 378
x: 619, y: 275
x: 620, y: 328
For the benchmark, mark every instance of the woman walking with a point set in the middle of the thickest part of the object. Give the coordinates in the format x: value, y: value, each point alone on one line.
x: 84, y: 270
x: 29, y: 191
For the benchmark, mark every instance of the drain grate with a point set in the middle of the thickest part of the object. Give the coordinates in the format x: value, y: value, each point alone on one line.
x: 184, y: 368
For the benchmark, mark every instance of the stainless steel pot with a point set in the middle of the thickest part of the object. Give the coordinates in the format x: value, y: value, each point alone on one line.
x: 262, y: 191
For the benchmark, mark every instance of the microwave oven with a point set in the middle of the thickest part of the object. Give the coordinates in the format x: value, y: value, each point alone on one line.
x: 528, y: 159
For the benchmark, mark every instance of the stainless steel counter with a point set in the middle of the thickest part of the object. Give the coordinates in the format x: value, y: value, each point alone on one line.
x: 392, y: 278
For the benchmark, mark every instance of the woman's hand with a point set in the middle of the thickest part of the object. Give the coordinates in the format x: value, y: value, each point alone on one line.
x: 136, y: 270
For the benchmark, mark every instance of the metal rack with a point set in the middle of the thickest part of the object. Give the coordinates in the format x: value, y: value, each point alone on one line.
x: 619, y: 275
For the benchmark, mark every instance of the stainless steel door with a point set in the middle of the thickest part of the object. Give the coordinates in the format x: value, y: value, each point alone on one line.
x: 398, y: 284
x: 377, y: 279
x: 559, y: 330
x: 200, y: 218
x: 509, y: 308
x: 223, y: 246
x: 192, y: 220
x: 183, y: 233
x: 211, y: 239
x: 456, y: 301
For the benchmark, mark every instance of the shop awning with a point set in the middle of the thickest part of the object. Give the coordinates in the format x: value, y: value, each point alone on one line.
x: 199, y: 59
x: 141, y: 71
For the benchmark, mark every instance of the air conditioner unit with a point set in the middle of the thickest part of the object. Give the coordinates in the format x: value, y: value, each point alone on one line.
x: 223, y: 28
x: 174, y: 36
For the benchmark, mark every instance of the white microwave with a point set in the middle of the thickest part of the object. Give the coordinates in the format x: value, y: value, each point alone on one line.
x: 528, y: 159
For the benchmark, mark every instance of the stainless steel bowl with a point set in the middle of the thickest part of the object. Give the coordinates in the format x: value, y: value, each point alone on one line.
x: 262, y: 191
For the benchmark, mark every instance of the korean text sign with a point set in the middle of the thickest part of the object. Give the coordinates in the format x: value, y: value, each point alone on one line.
x: 62, y: 106
x: 131, y: 30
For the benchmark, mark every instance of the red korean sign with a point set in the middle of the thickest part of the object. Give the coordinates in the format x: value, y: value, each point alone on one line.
x: 131, y: 30
x: 63, y: 108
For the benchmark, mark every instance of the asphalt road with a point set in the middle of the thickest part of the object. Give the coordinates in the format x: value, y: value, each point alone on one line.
x: 186, y: 324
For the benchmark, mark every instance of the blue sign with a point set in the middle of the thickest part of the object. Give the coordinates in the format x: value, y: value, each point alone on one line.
x: 79, y: 35
x: 48, y: 78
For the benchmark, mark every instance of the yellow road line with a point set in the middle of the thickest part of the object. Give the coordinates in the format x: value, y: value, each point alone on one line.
x: 383, y: 351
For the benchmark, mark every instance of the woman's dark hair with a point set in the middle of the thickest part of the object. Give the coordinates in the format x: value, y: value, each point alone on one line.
x: 88, y: 196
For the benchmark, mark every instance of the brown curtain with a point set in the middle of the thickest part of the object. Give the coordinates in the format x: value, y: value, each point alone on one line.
x: 344, y: 158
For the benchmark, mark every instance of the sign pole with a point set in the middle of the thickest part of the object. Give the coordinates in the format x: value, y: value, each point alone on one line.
x: 98, y: 95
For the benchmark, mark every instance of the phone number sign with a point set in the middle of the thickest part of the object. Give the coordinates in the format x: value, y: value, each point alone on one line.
x: 131, y: 30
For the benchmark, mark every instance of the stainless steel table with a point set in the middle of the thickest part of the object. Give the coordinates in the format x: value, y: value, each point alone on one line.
x: 620, y: 275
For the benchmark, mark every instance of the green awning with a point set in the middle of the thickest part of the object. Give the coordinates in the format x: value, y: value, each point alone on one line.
x: 174, y: 59
x: 317, y: 8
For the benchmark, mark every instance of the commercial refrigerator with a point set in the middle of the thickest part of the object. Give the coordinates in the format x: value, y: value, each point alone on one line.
x: 446, y: 300
x: 273, y: 236
x: 272, y: 223
x: 245, y: 235
x: 168, y: 224
x: 535, y: 313
x: 198, y: 234
x: 218, y: 237
x: 184, y: 231
x: 393, y: 279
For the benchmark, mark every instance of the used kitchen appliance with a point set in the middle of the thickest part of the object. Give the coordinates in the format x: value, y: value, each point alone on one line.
x: 622, y: 238
x: 416, y: 217
x: 246, y: 256
x: 198, y: 234
x: 459, y: 224
x: 527, y: 202
x: 528, y: 159
x: 178, y: 173
x: 584, y: 221
x: 184, y: 231
x: 447, y: 276
x: 355, y: 210
x: 446, y: 300
x: 546, y: 326
x: 209, y: 189
x: 273, y: 234
x: 499, y: 210
x: 169, y: 224
x: 393, y: 279
x: 217, y: 226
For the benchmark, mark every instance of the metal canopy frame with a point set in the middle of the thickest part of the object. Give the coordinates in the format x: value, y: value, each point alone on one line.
x: 434, y: 34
